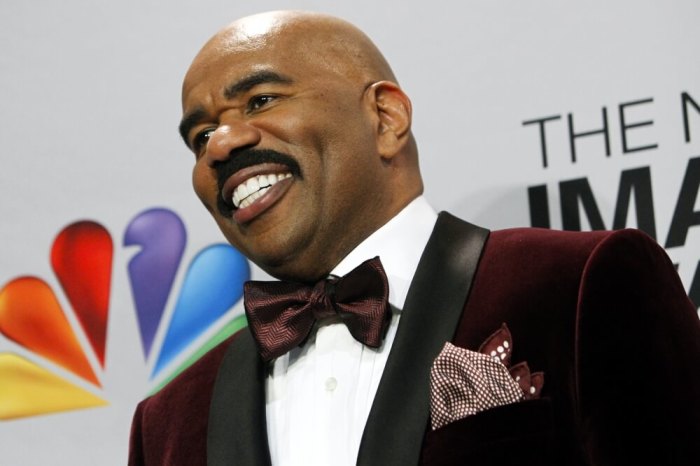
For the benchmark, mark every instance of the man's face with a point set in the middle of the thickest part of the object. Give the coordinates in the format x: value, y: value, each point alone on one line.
x: 262, y: 114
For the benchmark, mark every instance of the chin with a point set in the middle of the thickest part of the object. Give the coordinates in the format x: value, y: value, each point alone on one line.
x: 294, y: 271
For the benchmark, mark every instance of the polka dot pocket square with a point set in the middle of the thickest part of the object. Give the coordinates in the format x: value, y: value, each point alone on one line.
x: 465, y: 382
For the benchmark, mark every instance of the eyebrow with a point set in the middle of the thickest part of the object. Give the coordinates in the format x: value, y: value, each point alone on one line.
x: 255, y: 79
x: 231, y: 92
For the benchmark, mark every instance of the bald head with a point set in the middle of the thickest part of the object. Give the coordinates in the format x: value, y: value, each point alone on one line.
x: 331, y: 43
x: 302, y: 139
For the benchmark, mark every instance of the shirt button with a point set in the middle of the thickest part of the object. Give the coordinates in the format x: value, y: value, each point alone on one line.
x: 331, y: 383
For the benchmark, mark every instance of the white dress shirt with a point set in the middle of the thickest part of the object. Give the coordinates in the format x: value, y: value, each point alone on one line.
x: 318, y: 396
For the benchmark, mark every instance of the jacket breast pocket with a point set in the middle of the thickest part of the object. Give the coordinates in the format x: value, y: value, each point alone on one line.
x: 516, y: 434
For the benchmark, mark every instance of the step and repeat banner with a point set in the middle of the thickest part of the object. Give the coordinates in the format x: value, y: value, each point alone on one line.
x: 112, y: 275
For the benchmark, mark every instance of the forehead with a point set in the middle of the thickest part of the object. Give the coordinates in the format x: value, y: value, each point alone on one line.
x: 219, y: 67
x: 304, y: 49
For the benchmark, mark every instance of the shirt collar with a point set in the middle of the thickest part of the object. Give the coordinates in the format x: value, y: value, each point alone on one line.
x: 399, y: 244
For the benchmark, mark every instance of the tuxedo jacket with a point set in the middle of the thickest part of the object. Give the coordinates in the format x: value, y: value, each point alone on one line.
x: 602, y: 314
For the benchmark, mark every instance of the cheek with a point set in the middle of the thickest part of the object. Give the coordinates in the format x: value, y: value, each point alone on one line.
x: 204, y: 184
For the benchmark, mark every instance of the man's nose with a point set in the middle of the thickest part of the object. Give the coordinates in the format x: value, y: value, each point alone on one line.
x: 228, y: 137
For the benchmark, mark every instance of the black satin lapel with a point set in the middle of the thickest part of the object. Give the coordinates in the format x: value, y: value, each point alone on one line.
x: 237, y: 433
x: 399, y: 416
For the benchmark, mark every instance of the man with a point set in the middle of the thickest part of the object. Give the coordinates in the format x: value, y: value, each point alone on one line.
x: 305, y: 159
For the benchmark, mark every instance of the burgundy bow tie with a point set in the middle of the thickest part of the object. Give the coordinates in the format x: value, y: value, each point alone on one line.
x: 281, y: 314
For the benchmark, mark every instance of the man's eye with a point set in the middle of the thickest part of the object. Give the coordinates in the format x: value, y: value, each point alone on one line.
x: 259, y: 101
x: 200, y: 139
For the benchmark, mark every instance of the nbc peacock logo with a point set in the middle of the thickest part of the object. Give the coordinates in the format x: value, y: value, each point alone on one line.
x: 55, y: 340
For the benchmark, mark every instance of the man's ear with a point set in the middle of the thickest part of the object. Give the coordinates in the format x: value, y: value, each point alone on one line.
x: 393, y: 110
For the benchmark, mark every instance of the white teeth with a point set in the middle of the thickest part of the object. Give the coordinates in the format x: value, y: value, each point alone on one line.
x: 252, y: 184
x: 253, y: 197
x: 251, y: 189
x: 242, y: 191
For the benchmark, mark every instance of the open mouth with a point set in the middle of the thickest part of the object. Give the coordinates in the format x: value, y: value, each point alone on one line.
x: 252, y: 181
x: 254, y: 188
x: 249, y: 192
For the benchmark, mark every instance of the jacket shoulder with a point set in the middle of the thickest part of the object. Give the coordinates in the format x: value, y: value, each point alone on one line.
x: 170, y: 427
x: 194, y: 379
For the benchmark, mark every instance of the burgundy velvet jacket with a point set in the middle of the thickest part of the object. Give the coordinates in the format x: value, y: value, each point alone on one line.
x: 602, y: 314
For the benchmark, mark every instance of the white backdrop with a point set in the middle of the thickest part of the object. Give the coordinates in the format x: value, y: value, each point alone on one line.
x: 90, y: 105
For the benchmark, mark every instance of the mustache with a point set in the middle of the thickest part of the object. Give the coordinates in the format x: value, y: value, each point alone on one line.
x: 249, y: 157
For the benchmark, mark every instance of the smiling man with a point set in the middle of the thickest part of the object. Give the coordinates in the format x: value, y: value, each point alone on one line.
x: 294, y: 100
x: 399, y: 336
